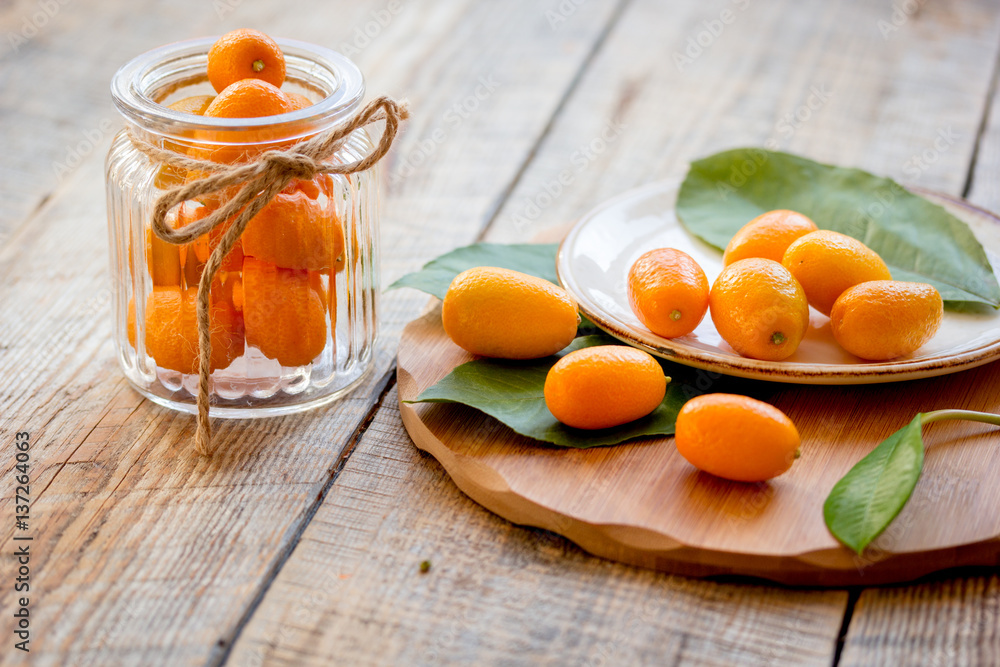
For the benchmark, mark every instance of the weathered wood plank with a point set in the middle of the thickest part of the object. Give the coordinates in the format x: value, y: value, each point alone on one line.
x: 347, y: 590
x: 137, y: 605
x: 950, y: 622
x: 143, y: 552
x: 285, y: 627
x: 353, y: 592
x: 56, y: 64
x: 984, y: 183
x: 813, y: 78
x: 953, y: 620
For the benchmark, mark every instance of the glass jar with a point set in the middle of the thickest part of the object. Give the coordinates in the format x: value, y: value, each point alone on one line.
x: 293, y: 306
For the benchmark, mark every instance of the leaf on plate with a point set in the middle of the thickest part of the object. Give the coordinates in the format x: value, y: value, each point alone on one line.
x: 866, y: 500
x: 531, y: 258
x: 919, y: 240
x: 512, y: 392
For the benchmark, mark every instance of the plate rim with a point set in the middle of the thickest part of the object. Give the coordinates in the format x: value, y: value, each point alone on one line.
x: 776, y: 371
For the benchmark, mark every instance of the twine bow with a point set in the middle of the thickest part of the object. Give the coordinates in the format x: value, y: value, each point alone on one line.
x: 260, y: 181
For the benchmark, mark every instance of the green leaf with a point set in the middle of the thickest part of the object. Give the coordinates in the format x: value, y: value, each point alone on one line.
x: 920, y: 241
x: 531, y: 258
x: 866, y: 500
x: 512, y: 392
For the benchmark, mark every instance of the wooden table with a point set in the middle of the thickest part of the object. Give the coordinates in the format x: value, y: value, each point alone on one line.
x: 301, y: 542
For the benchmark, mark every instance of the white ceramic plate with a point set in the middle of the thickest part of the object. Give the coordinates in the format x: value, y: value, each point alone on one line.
x: 595, y: 257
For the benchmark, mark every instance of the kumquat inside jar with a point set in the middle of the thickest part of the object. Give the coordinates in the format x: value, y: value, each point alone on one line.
x: 292, y: 306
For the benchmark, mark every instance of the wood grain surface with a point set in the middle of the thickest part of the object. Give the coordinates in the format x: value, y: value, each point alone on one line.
x: 146, y: 555
x: 620, y: 74
x: 951, y: 622
x: 642, y: 503
x: 813, y: 78
x: 498, y: 594
x: 212, y: 533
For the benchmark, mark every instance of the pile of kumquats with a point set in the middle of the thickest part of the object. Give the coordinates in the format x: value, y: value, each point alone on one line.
x: 775, y: 268
x: 276, y: 287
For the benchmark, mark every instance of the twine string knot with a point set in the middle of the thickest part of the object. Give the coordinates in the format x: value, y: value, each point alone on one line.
x: 256, y: 184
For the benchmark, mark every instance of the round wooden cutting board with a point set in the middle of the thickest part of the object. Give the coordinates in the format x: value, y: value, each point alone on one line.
x: 641, y: 503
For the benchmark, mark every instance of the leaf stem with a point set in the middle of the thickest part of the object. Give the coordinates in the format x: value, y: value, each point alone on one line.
x: 970, y: 415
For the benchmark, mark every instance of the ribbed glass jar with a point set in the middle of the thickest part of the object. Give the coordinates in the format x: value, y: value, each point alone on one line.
x: 293, y: 309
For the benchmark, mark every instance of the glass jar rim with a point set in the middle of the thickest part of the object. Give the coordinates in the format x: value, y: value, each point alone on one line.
x: 130, y: 88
